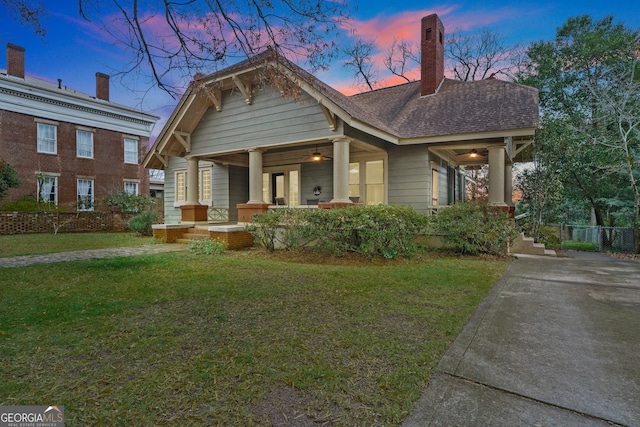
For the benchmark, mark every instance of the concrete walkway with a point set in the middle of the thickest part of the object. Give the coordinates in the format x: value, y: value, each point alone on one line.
x: 555, y: 343
x: 21, y: 261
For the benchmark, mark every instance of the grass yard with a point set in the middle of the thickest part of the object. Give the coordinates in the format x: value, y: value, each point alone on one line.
x: 41, y: 243
x: 238, y: 339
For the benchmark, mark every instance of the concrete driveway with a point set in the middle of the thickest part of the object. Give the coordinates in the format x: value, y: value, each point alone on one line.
x: 555, y: 343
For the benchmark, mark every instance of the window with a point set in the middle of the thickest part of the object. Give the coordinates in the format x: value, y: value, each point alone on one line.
x: 375, y: 182
x: 205, y: 185
x: 47, y: 138
x: 181, y: 186
x: 131, y: 187
x: 131, y: 151
x: 84, y: 144
x: 354, y: 179
x: 47, y: 188
x: 85, y: 194
x: 366, y: 181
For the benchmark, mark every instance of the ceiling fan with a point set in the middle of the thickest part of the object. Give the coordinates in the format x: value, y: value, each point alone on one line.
x: 317, y: 156
x: 472, y: 154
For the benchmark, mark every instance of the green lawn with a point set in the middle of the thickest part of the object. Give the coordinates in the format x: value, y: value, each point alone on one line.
x: 34, y: 244
x: 237, y: 339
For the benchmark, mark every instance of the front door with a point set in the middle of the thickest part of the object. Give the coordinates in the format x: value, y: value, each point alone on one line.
x: 277, y: 185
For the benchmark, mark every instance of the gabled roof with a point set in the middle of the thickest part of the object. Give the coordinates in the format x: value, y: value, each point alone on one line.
x: 398, y: 114
x: 456, y: 108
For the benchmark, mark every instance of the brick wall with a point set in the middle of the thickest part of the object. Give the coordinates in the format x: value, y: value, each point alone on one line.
x: 233, y: 240
x: 18, y: 147
x: 64, y: 222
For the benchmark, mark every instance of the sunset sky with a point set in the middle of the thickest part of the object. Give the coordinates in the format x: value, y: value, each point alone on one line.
x: 74, y: 52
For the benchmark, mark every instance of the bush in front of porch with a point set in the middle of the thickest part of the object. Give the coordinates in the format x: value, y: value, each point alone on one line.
x: 382, y: 230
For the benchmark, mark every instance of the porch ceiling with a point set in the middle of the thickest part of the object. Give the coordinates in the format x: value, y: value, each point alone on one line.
x: 475, y: 153
x: 288, y: 154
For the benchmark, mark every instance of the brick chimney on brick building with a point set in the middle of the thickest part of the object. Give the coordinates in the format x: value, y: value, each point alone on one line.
x: 102, y: 86
x: 15, y: 60
x: 432, y: 54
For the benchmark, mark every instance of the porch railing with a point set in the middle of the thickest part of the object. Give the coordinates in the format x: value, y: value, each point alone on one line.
x: 218, y: 214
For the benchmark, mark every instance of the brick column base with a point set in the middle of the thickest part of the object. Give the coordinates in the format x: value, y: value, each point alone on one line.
x: 194, y: 213
x: 246, y: 211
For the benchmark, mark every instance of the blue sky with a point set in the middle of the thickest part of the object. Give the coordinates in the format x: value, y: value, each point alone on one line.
x: 73, y: 52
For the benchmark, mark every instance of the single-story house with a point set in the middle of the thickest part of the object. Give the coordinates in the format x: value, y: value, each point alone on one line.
x: 238, y: 143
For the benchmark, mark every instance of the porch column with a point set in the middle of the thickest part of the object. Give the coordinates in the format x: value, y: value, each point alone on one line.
x: 496, y: 175
x: 192, y: 211
x: 255, y: 176
x: 508, y: 184
x: 192, y: 181
x: 341, y: 170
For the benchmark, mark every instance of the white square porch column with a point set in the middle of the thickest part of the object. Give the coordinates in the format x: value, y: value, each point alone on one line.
x: 255, y: 176
x: 496, y: 175
x: 341, y: 170
x: 192, y: 181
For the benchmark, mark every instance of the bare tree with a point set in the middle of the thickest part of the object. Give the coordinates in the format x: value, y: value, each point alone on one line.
x: 399, y: 56
x: 170, y: 41
x: 29, y: 12
x: 359, y: 62
x: 479, y: 55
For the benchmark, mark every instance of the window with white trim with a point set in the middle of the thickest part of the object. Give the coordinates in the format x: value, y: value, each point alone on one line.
x: 47, y: 188
x: 366, y: 180
x: 131, y: 150
x: 84, y: 144
x: 205, y: 185
x: 47, y: 138
x: 131, y: 187
x: 85, y: 194
x: 374, y: 183
x: 181, y: 187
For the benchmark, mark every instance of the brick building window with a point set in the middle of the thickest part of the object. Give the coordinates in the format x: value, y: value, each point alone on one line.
x: 85, y: 194
x: 47, y: 189
x: 47, y: 138
x: 131, y: 150
x: 84, y: 144
x: 131, y: 187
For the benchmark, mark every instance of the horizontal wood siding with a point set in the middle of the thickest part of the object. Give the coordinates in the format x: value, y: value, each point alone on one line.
x: 238, y: 189
x: 220, y: 186
x: 172, y: 215
x: 410, y: 177
x: 270, y: 119
x: 316, y: 174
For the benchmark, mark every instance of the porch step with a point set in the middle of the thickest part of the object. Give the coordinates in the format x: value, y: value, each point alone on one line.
x: 526, y: 245
x: 194, y: 233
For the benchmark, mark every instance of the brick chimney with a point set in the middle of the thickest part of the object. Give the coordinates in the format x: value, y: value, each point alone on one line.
x: 102, y: 86
x: 432, y: 54
x: 15, y: 60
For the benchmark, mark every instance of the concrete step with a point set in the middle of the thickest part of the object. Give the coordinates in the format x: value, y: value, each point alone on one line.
x: 526, y: 245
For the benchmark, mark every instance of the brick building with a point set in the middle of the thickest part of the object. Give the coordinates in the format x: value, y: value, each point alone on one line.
x: 69, y: 148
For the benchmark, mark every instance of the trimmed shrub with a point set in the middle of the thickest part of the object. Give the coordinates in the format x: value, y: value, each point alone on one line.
x: 470, y: 228
x: 142, y: 223
x: 278, y: 228
x: 382, y: 230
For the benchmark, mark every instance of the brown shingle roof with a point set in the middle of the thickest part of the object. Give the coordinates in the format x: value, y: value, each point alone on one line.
x: 456, y: 108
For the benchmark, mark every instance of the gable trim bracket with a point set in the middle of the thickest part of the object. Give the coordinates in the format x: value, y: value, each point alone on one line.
x: 521, y: 145
x: 329, y: 115
x: 184, y: 139
x: 243, y: 88
x: 214, y: 95
x: 163, y: 159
